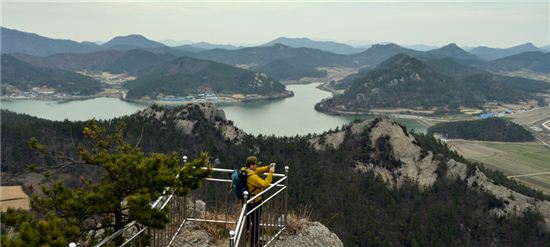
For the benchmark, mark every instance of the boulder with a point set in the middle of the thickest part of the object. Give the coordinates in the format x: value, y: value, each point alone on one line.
x: 315, y: 234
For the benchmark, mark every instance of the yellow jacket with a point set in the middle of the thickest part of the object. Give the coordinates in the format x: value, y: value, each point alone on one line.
x: 255, y: 184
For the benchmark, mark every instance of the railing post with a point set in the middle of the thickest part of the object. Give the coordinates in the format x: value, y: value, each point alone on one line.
x: 286, y: 196
x: 231, y: 238
x: 244, y: 227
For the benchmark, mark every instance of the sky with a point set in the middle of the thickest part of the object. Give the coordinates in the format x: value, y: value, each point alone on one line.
x: 468, y: 23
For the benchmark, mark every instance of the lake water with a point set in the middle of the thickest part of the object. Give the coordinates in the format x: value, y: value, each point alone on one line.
x: 99, y: 108
x: 283, y: 117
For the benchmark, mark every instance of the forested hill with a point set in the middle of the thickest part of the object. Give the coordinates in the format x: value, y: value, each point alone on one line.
x: 185, y: 75
x: 403, y: 81
x: 536, y: 61
x: 372, y: 183
x: 24, y: 76
x: 490, y: 129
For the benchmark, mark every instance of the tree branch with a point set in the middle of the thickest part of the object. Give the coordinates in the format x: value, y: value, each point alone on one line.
x: 140, y: 136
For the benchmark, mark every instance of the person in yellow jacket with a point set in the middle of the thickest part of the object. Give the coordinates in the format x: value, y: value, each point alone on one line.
x: 255, y: 185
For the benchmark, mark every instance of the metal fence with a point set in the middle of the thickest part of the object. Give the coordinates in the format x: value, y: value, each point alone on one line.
x: 213, y: 206
x: 270, y: 215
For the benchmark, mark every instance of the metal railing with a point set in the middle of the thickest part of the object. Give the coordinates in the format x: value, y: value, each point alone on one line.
x: 270, y: 215
x: 133, y: 234
x: 214, y: 206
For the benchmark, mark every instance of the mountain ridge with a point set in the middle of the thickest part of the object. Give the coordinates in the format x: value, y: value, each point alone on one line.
x: 403, y: 81
x: 15, y: 41
x: 186, y: 75
x: 489, y: 54
x: 132, y: 41
x: 331, y: 46
x: 24, y: 77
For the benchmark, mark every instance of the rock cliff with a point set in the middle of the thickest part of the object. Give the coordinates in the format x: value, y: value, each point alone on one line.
x: 187, y: 117
x: 421, y: 166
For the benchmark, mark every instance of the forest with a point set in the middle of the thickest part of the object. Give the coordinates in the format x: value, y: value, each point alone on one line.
x: 489, y: 129
x: 360, y: 208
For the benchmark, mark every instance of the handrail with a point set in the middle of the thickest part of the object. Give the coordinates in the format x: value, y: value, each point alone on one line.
x: 236, y: 236
x: 231, y: 170
x: 240, y: 222
x: 131, y: 224
x: 266, y: 190
x: 274, y: 202
x: 266, y: 200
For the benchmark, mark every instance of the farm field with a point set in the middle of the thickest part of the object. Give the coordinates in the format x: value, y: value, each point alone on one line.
x: 511, y: 158
x: 13, y: 197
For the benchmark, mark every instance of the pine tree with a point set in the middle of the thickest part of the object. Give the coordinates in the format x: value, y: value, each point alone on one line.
x: 130, y: 181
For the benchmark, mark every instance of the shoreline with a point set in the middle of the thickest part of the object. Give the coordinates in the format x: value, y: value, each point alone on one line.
x: 394, y: 114
x: 61, y: 100
x: 226, y: 99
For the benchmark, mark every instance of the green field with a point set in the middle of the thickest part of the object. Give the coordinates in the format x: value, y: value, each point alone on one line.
x: 536, y: 156
x: 511, y: 159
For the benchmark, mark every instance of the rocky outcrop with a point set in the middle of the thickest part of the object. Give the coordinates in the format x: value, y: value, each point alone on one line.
x: 420, y: 166
x: 414, y: 164
x: 187, y: 117
x: 315, y: 234
x: 514, y: 202
x: 326, y: 141
x: 192, y: 235
x: 456, y: 170
x: 335, y: 139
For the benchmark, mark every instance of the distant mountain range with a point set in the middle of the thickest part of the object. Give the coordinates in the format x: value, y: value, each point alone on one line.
x: 283, y: 70
x: 209, y: 46
x: 14, y: 41
x: 134, y: 62
x: 188, y: 48
x: 291, y: 59
x: 407, y: 82
x: 261, y: 55
x: 159, y: 74
x: 334, y: 47
x: 535, y: 61
x: 24, y: 77
x: 489, y: 54
x: 378, y: 53
x: 452, y: 51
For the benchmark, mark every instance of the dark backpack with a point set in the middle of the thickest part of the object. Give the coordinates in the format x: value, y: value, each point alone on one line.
x: 238, y: 183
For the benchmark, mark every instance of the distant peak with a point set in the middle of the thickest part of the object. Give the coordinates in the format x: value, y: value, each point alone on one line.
x: 527, y: 45
x: 131, y: 36
x: 399, y: 60
x: 287, y: 38
x: 451, y: 46
x: 386, y: 46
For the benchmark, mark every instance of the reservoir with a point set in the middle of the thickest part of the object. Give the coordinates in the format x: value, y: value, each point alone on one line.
x: 283, y: 117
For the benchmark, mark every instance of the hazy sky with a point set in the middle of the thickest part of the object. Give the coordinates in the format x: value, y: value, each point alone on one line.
x: 467, y: 23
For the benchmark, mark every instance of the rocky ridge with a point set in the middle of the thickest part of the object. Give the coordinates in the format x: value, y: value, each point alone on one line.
x: 187, y: 117
x: 415, y: 163
x: 421, y: 166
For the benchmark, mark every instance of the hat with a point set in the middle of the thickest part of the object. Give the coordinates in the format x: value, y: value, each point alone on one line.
x: 252, y: 160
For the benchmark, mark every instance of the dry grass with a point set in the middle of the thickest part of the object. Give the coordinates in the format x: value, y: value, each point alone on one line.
x: 218, y: 230
x: 298, y: 220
